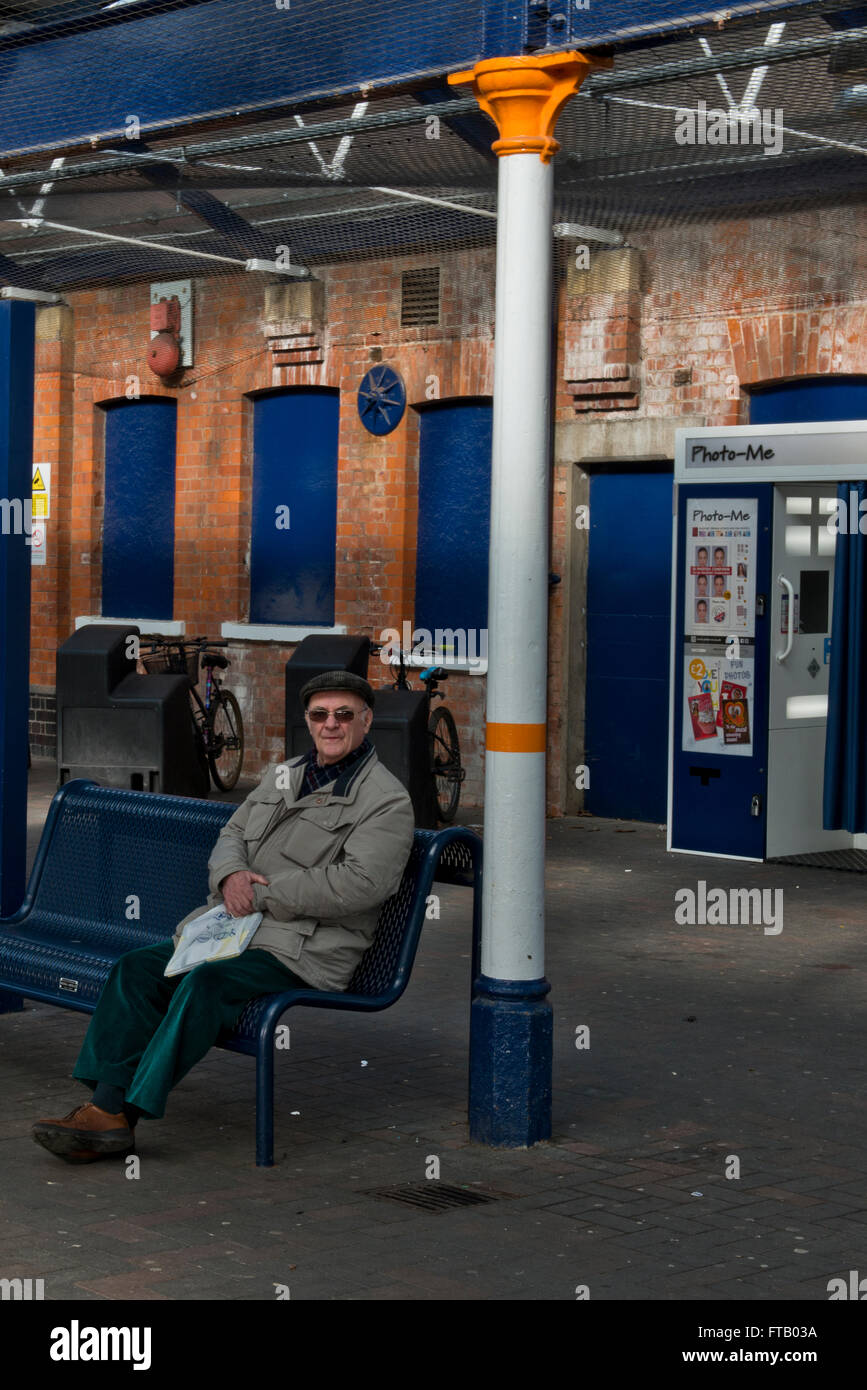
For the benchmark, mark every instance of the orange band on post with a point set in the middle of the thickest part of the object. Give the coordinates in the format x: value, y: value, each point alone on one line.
x: 524, y: 96
x: 515, y: 738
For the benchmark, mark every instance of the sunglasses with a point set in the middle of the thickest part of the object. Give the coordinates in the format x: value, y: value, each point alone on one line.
x: 343, y: 716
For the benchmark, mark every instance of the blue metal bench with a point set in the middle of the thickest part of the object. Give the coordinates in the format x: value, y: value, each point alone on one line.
x: 119, y: 869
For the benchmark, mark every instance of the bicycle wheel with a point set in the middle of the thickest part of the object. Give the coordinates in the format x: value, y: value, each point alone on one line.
x: 445, y: 762
x: 226, y: 741
x: 199, y: 721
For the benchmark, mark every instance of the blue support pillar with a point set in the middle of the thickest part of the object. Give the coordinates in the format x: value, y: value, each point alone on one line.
x: 511, y: 1062
x: 17, y: 321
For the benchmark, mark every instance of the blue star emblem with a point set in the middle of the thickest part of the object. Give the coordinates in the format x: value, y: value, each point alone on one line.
x: 381, y: 400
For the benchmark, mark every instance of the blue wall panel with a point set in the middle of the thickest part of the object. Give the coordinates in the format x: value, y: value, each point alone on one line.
x: 16, y: 476
x: 812, y: 398
x: 628, y: 619
x: 454, y: 517
x: 294, y: 466
x: 138, y: 538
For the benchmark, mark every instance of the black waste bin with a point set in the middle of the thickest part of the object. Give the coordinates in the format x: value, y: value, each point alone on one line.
x: 399, y: 734
x: 119, y: 728
x: 313, y: 657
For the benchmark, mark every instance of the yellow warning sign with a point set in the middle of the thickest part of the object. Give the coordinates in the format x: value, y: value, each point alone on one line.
x: 41, y: 491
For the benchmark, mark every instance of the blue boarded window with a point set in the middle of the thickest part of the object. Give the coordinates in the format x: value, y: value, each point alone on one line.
x: 138, y: 534
x: 809, y: 399
x: 294, y: 527
x: 454, y: 516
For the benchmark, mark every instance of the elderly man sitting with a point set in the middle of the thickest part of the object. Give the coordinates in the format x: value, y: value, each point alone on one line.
x: 317, y: 848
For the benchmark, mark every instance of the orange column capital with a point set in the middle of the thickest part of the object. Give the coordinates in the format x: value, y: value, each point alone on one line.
x: 524, y: 96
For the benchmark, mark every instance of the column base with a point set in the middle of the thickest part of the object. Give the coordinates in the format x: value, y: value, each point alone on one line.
x: 511, y: 1058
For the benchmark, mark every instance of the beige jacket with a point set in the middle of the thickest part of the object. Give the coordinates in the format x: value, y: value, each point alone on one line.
x: 331, y: 858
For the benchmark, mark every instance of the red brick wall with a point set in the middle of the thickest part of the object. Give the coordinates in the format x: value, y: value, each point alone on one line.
x: 377, y: 476
x: 713, y: 304
x: 726, y: 305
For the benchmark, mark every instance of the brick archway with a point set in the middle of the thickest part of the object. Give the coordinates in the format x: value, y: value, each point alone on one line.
x: 780, y: 347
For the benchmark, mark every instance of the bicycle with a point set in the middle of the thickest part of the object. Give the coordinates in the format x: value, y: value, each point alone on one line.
x: 217, y: 724
x: 443, y: 743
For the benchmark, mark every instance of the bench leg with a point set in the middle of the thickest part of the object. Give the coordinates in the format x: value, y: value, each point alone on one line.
x: 265, y: 1103
x: 10, y: 1003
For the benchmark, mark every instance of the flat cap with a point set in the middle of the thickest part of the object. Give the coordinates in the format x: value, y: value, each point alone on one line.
x: 338, y: 680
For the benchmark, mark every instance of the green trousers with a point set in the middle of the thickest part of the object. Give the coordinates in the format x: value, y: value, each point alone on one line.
x: 148, y: 1031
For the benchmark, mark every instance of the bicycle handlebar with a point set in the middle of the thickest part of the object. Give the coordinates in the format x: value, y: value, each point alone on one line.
x: 157, y: 639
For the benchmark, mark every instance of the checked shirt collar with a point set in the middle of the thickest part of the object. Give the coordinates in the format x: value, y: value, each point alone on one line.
x: 316, y: 776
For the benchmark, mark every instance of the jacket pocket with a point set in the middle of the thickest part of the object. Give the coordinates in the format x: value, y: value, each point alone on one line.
x: 292, y: 947
x: 286, y: 938
x: 311, y: 844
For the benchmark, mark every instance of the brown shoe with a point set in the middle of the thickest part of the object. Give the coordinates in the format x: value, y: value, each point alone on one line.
x: 85, y: 1134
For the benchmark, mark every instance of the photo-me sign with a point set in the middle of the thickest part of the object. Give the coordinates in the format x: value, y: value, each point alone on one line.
x: 773, y: 453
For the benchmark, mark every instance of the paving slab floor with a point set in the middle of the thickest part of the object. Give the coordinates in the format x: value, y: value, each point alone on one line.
x: 709, y: 1129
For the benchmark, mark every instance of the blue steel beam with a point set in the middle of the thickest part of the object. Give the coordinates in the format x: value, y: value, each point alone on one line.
x: 100, y: 264
x: 17, y: 327
x: 29, y: 277
x: 401, y: 232
x: 243, y: 239
x: 233, y: 228
x: 112, y: 161
x: 475, y: 129
x: 596, y: 23
x: 67, y: 84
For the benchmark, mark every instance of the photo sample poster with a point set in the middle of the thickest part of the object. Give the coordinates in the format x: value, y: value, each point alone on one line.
x: 720, y: 589
x: 719, y: 625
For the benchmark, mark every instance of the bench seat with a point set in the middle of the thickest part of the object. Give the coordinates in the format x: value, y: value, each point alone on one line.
x: 119, y: 869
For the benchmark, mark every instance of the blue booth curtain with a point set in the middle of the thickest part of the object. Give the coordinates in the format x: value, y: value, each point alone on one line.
x: 845, y: 790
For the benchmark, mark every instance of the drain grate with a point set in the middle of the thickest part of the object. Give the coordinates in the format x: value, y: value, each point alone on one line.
x: 436, y: 1196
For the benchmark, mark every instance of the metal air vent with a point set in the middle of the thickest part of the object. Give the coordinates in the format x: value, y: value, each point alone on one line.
x: 420, y: 297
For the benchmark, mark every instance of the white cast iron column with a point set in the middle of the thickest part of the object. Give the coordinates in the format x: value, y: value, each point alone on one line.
x: 511, y: 1027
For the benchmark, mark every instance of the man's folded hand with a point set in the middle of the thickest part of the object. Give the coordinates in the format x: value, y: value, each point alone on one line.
x: 237, y: 891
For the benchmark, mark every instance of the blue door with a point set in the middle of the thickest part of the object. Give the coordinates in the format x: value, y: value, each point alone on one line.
x: 138, y: 535
x: 454, y: 517
x: 294, y: 531
x: 628, y: 618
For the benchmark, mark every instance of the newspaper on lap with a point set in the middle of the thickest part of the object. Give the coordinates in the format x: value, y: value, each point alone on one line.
x: 216, y: 935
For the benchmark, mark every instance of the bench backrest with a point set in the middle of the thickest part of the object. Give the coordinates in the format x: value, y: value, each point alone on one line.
x: 386, y: 965
x: 129, y: 865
